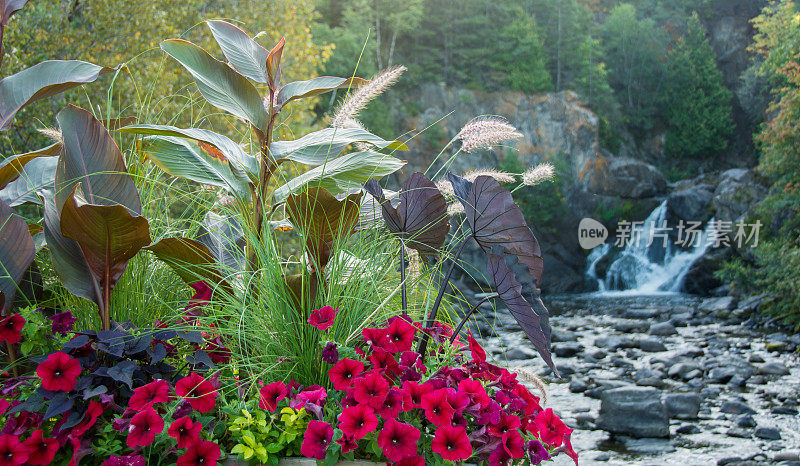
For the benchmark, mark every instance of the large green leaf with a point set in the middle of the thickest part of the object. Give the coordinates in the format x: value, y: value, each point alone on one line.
x: 243, y: 53
x: 92, y: 158
x: 315, y: 86
x: 108, y: 235
x: 36, y: 177
x: 323, y: 220
x: 190, y: 259
x: 186, y: 159
x: 66, y: 256
x: 338, y: 174
x: 244, y: 166
x: 219, y: 83
x: 16, y: 252
x: 43, y: 80
x: 12, y: 167
x: 326, y: 144
x: 224, y: 237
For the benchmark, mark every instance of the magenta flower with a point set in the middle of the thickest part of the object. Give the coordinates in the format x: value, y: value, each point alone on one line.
x: 316, y: 440
x: 323, y: 318
x: 398, y: 440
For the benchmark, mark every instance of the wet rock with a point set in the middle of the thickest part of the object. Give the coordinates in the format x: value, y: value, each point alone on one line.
x: 728, y: 460
x: 662, y: 329
x: 682, y: 319
x: 737, y: 381
x: 736, y: 407
x: 683, y: 370
x: 598, y: 354
x: 628, y: 178
x: 756, y: 358
x: 682, y: 405
x: 757, y: 380
x: 614, y: 342
x: 738, y: 433
x: 577, y: 385
x: 768, y: 433
x: 727, y: 367
x: 650, y: 345
x: 745, y: 421
x: 688, y: 429
x: 691, y: 203
x: 520, y: 353
x: 784, y: 410
x: 738, y: 189
x: 631, y: 326
x: 602, y: 457
x: 777, y: 346
x: 773, y: 368
x: 645, y: 314
x: 563, y: 335
x: 634, y: 411
x: 651, y: 382
x: 714, y: 305
x: 567, y: 350
x: 786, y: 456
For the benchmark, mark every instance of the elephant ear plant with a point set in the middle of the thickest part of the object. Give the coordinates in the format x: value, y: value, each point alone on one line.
x: 514, y: 260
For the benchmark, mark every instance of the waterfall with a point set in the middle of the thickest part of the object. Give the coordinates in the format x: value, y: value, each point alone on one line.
x: 650, y: 261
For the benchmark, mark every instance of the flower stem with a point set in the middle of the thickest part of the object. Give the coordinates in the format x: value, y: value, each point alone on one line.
x: 469, y: 314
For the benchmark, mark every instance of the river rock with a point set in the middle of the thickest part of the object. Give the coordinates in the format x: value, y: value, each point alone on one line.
x: 634, y: 411
x: 684, y: 370
x: 567, y: 350
x: 650, y: 345
x: 627, y: 178
x: 768, y: 433
x: 773, y: 368
x: 614, y: 342
x: 736, y: 407
x: 682, y: 405
x: 745, y: 421
x: 712, y: 305
x: 631, y: 326
x: 662, y: 329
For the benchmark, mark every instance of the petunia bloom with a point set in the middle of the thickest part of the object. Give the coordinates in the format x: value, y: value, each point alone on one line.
x: 478, y: 353
x: 11, y: 328
x: 270, y: 395
x: 41, y: 450
x: 377, y: 338
x: 357, y: 421
x: 143, y: 428
x: 198, y: 391
x: 59, y: 372
x: 452, y: 443
x: 330, y: 353
x: 344, y: 373
x: 316, y: 440
x: 93, y: 411
x: 415, y: 460
x: 392, y: 404
x: 11, y: 451
x: 371, y: 390
x: 401, y: 334
x: 536, y: 452
x: 323, y: 318
x: 347, y: 443
x: 185, y: 431
x: 437, y: 410
x: 202, y: 453
x: 136, y: 460
x: 146, y: 396
x: 551, y: 429
x: 63, y: 322
x: 398, y: 440
x: 507, y: 423
x: 513, y: 444
x: 413, y: 393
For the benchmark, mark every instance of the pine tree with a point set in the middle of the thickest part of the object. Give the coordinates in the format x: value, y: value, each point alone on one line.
x: 697, y: 106
x: 520, y: 57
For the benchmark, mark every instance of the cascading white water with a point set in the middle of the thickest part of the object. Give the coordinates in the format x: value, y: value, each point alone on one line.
x: 650, y: 262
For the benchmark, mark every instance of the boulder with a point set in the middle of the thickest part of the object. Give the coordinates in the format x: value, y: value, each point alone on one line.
x: 626, y: 177
x: 634, y: 411
x: 682, y: 405
x: 690, y: 203
x: 737, y: 191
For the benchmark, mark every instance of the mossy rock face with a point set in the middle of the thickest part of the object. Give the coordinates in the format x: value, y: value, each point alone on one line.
x: 737, y: 192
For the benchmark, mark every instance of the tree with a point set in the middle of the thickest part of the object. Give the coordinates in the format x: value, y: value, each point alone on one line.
x: 697, y: 106
x: 520, y: 56
x: 634, y: 51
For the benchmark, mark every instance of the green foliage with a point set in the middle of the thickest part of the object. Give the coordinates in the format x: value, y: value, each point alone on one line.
x: 545, y: 203
x: 521, y: 56
x: 267, y: 440
x: 37, y: 338
x: 634, y: 51
x: 697, y: 106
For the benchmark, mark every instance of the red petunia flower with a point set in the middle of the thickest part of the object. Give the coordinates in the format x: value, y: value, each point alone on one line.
x: 478, y: 353
x: 40, y: 450
x: 413, y: 393
x: 452, y: 443
x: 344, y: 373
x: 531, y: 401
x: 143, y: 428
x: 198, y: 391
x: 63, y: 322
x: 314, y: 395
x: 146, y: 396
x: 136, y: 460
x: 93, y: 411
x: 371, y: 390
x: 11, y: 328
x: 536, y: 452
x: 415, y: 460
x: 551, y: 429
x: 513, y: 444
x: 398, y: 440
x: 4, y: 405
x: 475, y: 391
x: 316, y: 440
x: 347, y: 443
x: 357, y: 421
x: 202, y: 295
x: 392, y: 404
x: 59, y: 372
x: 202, y: 453
x: 385, y: 361
x: 437, y: 409
x: 457, y: 399
x: 12, y: 452
x: 507, y: 423
x: 401, y: 334
x: 270, y: 395
x: 185, y: 431
x: 377, y: 338
x: 323, y: 318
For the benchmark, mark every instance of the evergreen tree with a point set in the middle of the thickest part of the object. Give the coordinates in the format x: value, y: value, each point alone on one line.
x: 697, y: 106
x: 634, y: 51
x: 520, y: 56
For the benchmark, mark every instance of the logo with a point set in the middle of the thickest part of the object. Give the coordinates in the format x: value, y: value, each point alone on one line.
x: 591, y: 233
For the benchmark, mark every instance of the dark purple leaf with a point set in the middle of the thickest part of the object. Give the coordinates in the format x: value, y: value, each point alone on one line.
x: 201, y: 358
x: 123, y: 372
x: 32, y: 404
x: 497, y: 221
x: 76, y: 342
x: 510, y: 290
x: 137, y: 345
x: 74, y: 418
x: 98, y: 390
x: 60, y: 404
x: 111, y: 342
x: 166, y: 334
x: 157, y: 353
x: 16, y: 252
x: 421, y: 217
x: 191, y: 336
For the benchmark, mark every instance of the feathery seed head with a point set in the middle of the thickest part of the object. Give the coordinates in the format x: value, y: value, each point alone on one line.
x: 52, y: 134
x: 486, y: 132
x: 357, y: 100
x: 502, y: 177
x: 538, y: 174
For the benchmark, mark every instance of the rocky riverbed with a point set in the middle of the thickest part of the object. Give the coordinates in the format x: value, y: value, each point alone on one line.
x: 664, y: 380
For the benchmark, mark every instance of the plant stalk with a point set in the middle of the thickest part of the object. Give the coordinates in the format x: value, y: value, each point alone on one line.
x: 469, y: 314
x: 266, y: 168
x: 12, y: 359
x: 423, y: 345
x: 403, y: 298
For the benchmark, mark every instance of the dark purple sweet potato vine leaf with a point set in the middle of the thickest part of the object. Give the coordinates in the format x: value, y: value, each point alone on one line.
x: 421, y: 217
x: 496, y: 220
